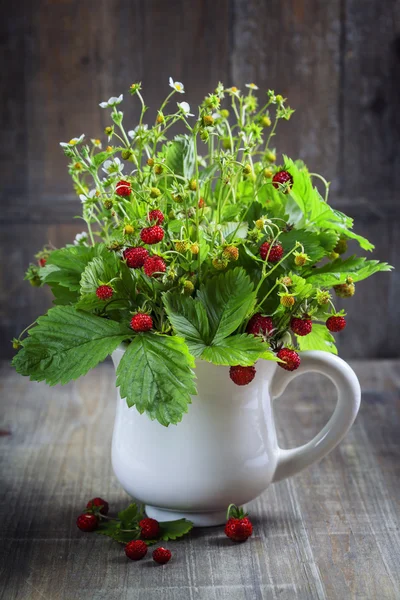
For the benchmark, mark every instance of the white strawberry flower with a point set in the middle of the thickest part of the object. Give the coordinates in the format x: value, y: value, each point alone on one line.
x: 84, y: 197
x: 139, y: 129
x: 177, y: 86
x: 114, y: 166
x: 185, y: 108
x: 73, y: 142
x: 113, y: 101
x: 81, y: 238
x: 252, y: 86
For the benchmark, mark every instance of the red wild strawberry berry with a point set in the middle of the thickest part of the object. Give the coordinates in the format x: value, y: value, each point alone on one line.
x: 135, y: 257
x: 161, y: 555
x: 153, y: 266
x: 152, y: 235
x: 282, y: 180
x: 87, y: 522
x: 98, y: 503
x: 123, y: 188
x: 202, y: 203
x: 259, y: 325
x: 242, y: 375
x: 156, y: 216
x: 150, y: 529
x: 42, y: 262
x: 291, y: 359
x: 136, y: 549
x: 336, y: 323
x: 141, y: 322
x: 274, y: 254
x: 238, y: 530
x: 301, y: 326
x: 104, y: 292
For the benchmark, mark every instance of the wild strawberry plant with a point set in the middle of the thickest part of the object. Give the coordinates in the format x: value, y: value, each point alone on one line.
x: 195, y: 247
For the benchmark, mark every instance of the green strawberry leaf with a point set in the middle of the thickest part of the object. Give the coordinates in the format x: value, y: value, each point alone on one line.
x: 227, y: 298
x: 188, y: 318
x: 172, y: 530
x: 114, y: 530
x: 67, y: 343
x: 241, y: 349
x: 155, y: 375
x: 65, y: 267
x: 131, y: 515
x: 320, y: 338
x: 102, y: 269
x: 180, y: 156
x: 337, y: 271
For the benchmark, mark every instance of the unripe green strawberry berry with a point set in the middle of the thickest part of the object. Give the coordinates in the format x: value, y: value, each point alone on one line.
x: 188, y: 287
x: 155, y: 192
x: 267, y: 173
x: 193, y: 185
x: 231, y: 253
x: 158, y: 169
x: 345, y: 290
x: 300, y: 259
x: 270, y: 156
x: 224, y: 113
x: 265, y: 121
x: 247, y: 169
x: 181, y: 246
x: 287, y: 301
x: 259, y: 223
x: 194, y: 248
x: 208, y: 121
x: 341, y: 246
x: 220, y: 263
x: 150, y: 162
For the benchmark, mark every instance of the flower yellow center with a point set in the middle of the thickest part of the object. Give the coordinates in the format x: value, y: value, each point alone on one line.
x: 72, y: 142
x: 109, y: 149
x: 178, y: 87
x: 97, y: 142
x: 234, y: 89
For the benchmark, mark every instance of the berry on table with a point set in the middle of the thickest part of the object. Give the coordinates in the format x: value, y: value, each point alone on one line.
x: 156, y: 216
x: 123, y: 188
x: 141, y: 322
x: 104, y: 292
x: 135, y: 256
x: 136, y: 549
x: 259, y: 325
x: 290, y: 358
x: 283, y: 181
x: 272, y: 252
x: 161, y: 555
x: 149, y: 529
x: 238, y: 528
x: 152, y: 235
x: 301, y: 325
x: 153, y: 266
x: 98, y: 503
x: 336, y: 323
x: 87, y: 522
x: 242, y: 375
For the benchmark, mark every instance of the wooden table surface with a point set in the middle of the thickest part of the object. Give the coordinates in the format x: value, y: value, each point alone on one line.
x: 330, y: 532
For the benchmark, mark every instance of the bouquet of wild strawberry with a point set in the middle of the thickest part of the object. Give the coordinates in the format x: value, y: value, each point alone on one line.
x: 197, y: 247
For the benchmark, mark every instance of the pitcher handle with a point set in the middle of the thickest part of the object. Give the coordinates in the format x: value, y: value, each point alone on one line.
x: 347, y: 406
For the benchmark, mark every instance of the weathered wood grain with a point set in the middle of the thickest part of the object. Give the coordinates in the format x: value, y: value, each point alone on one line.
x: 337, y: 62
x: 331, y: 532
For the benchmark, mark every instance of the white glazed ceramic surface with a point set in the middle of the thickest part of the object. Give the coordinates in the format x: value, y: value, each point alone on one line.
x: 225, y: 449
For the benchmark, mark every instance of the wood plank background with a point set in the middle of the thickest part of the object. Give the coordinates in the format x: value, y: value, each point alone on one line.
x: 332, y: 532
x: 337, y: 61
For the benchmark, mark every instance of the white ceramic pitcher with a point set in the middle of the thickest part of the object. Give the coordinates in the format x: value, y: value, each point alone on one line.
x: 225, y: 449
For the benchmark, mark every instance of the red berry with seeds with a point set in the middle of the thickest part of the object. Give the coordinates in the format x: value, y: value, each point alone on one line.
x: 161, y: 555
x: 42, y: 262
x: 202, y: 203
x: 156, y: 216
x: 136, y: 550
x: 104, y: 292
x: 283, y: 181
x: 150, y: 529
x: 274, y: 252
x: 135, y: 257
x: 336, y: 323
x: 123, y: 188
x: 87, y: 522
x: 152, y: 235
x: 153, y: 266
x: 301, y: 326
x: 259, y: 325
x: 238, y: 530
x: 98, y: 503
x: 141, y: 322
x: 242, y: 375
x: 291, y: 359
